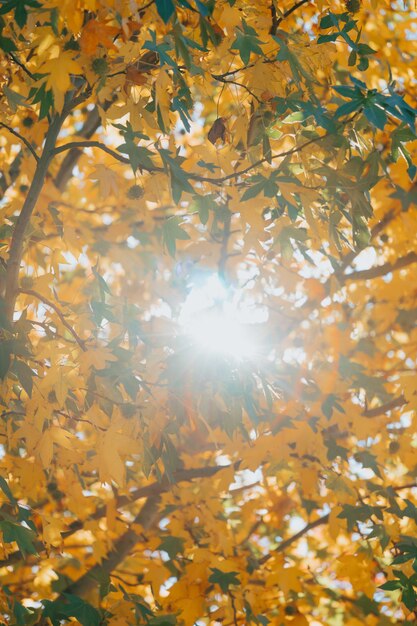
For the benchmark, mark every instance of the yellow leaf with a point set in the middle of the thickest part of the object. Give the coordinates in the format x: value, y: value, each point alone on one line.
x: 95, y: 357
x: 59, y: 70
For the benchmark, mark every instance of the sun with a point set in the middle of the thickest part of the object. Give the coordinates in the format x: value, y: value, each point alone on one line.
x: 218, y: 322
x: 220, y: 333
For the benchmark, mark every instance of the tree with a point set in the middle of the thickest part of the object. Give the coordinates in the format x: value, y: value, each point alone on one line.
x: 208, y: 312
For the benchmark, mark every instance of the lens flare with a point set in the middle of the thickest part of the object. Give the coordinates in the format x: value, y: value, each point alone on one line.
x: 219, y: 333
x: 217, y: 322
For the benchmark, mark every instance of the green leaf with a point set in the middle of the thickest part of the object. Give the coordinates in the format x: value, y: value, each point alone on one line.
x: 375, y: 115
x: 391, y: 585
x: 5, y: 353
x: 6, y: 44
x: 327, y: 38
x: 255, y: 190
x: 363, y: 64
x: 71, y: 606
x: 223, y: 579
x: 24, y: 374
x: 368, y: 460
x: 246, y: 42
x: 104, y: 288
x: 6, y: 490
x: 179, y: 178
x: 101, y: 311
x: 14, y: 98
x: 172, y: 546
x: 364, y: 49
x: 205, y: 204
x: 409, y: 597
x: 171, y: 231
x: 348, y: 107
x: 163, y: 620
x: 367, y: 605
x: 22, y: 615
x: 165, y: 8
x: 328, y: 21
x: 24, y: 537
x: 139, y: 156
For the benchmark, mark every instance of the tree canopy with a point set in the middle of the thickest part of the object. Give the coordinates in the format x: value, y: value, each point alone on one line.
x: 208, y: 312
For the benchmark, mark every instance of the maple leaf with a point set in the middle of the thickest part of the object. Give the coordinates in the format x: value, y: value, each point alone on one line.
x: 59, y: 70
x: 223, y: 579
x: 96, y: 358
x: 247, y: 42
x: 24, y: 537
x: 95, y: 34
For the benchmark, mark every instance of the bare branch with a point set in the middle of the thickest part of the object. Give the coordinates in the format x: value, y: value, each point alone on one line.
x: 16, y: 246
x: 122, y: 547
x: 52, y: 305
x: 381, y: 270
x: 196, y: 177
x: 149, y: 491
x: 384, y: 408
x: 23, y: 139
x: 21, y: 65
x: 288, y: 542
x: 274, y: 15
x: 291, y: 10
x: 92, y: 144
x: 221, y: 79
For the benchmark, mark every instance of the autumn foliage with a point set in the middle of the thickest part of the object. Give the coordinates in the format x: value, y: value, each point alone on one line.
x: 149, y: 150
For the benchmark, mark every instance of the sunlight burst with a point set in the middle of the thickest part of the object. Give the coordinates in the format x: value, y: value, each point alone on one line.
x: 218, y: 323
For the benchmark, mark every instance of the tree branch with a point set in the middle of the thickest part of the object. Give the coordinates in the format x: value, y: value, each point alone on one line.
x: 124, y: 544
x: 220, y: 78
x: 23, y: 139
x: 122, y: 547
x: 21, y: 65
x: 16, y: 246
x: 294, y: 8
x: 274, y: 27
x: 149, y: 491
x: 381, y: 270
x: 196, y: 177
x: 93, y: 144
x: 274, y: 15
x: 154, y: 489
x: 288, y: 542
x: 320, y: 521
x: 384, y: 408
x: 52, y: 305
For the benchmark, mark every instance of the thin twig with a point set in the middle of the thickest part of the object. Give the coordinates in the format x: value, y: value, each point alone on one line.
x: 288, y: 542
x: 220, y: 78
x: 23, y: 139
x: 196, y: 177
x: 289, y: 12
x: 52, y: 305
x: 21, y: 65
